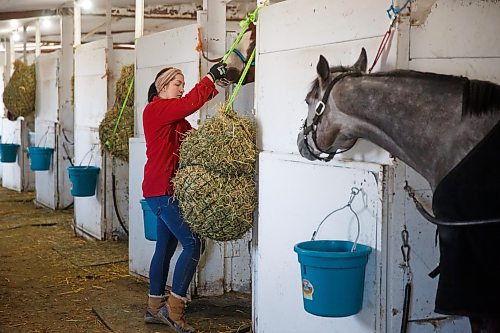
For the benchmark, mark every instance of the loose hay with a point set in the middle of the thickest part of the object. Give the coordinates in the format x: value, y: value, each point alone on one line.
x: 19, y: 94
x: 215, y: 183
x: 117, y: 144
x: 215, y: 206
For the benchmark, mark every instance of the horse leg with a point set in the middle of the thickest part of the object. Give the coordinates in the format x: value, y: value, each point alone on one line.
x: 484, y: 324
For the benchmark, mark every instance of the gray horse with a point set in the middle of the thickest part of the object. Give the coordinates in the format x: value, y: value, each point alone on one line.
x: 447, y: 129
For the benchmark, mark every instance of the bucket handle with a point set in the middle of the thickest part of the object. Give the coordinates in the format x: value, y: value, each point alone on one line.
x: 91, y: 155
x: 11, y: 136
x: 44, y: 136
x: 354, y: 192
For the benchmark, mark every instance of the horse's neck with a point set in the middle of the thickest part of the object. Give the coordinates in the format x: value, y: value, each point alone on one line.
x: 416, y: 119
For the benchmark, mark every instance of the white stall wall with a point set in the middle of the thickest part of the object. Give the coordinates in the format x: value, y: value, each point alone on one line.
x: 91, y: 103
x: 294, y: 194
x: 12, y: 172
x: 117, y: 190
x: 46, y: 122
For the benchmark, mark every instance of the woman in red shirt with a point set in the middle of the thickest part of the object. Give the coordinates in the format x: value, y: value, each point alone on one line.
x: 164, y: 124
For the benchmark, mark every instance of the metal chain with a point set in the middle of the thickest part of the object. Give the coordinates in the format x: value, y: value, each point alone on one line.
x: 405, y: 250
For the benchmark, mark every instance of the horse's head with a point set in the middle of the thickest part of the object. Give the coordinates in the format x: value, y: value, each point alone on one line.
x: 238, y: 59
x: 326, y: 130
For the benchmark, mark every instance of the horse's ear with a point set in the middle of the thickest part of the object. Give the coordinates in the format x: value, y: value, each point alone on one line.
x: 323, y: 68
x: 360, y: 65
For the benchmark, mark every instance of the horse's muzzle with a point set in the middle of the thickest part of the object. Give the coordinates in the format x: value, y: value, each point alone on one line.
x: 303, y: 150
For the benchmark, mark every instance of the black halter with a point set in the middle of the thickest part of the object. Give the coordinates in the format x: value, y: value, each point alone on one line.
x: 320, y: 108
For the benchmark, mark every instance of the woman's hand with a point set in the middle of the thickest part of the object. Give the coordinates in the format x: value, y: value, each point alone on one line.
x: 217, y: 71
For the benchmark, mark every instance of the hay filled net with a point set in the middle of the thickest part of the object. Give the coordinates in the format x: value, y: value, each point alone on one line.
x: 215, y: 182
x: 116, y: 141
x: 19, y: 94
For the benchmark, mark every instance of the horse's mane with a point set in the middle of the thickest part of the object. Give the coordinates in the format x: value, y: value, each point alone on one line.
x: 479, y: 97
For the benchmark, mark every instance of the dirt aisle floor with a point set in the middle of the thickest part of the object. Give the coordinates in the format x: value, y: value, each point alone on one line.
x: 53, y: 281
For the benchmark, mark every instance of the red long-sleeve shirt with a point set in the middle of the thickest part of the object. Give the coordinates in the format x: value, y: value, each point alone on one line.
x: 164, y: 123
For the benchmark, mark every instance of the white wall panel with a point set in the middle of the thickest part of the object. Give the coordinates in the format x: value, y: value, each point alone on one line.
x: 296, y: 24
x: 173, y: 46
x: 294, y: 196
x: 46, y: 119
x: 458, y: 29
x: 91, y: 102
x: 12, y: 172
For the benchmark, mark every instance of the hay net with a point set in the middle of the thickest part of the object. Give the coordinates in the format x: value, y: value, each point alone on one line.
x: 20, y: 92
x: 215, y: 182
x: 116, y: 143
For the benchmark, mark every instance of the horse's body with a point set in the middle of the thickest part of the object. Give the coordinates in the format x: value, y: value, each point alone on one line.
x: 444, y: 127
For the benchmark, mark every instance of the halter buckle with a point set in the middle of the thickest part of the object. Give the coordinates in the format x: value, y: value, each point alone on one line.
x: 320, y: 107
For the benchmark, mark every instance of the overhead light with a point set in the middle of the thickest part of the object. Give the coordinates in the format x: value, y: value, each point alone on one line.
x: 46, y: 23
x: 16, y: 36
x: 85, y: 4
x: 14, y: 24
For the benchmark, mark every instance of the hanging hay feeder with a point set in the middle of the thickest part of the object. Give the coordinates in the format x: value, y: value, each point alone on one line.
x: 19, y: 94
x: 215, y: 183
x: 225, y: 143
x: 215, y: 206
x: 122, y: 84
x: 116, y: 142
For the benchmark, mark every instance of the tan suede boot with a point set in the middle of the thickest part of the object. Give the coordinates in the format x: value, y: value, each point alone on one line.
x: 155, y: 303
x: 173, y: 314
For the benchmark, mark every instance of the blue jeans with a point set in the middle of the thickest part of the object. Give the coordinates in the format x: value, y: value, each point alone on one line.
x: 171, y: 229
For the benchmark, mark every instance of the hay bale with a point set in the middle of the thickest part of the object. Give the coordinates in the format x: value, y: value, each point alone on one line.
x: 214, y: 205
x: 122, y: 84
x: 117, y: 144
x: 19, y: 94
x: 225, y: 143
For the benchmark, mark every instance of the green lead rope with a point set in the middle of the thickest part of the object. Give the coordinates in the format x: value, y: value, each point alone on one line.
x: 251, y: 17
x: 229, y: 103
x: 108, y: 143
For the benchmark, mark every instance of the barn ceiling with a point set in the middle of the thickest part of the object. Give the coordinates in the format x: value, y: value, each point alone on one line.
x: 18, y: 18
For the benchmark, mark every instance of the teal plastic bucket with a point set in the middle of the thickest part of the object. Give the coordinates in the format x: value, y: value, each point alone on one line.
x: 40, y: 158
x: 333, y: 277
x: 149, y: 221
x: 83, y: 180
x: 8, y: 152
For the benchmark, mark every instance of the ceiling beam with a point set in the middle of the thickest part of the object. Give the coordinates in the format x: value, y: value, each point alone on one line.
x: 27, y: 14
